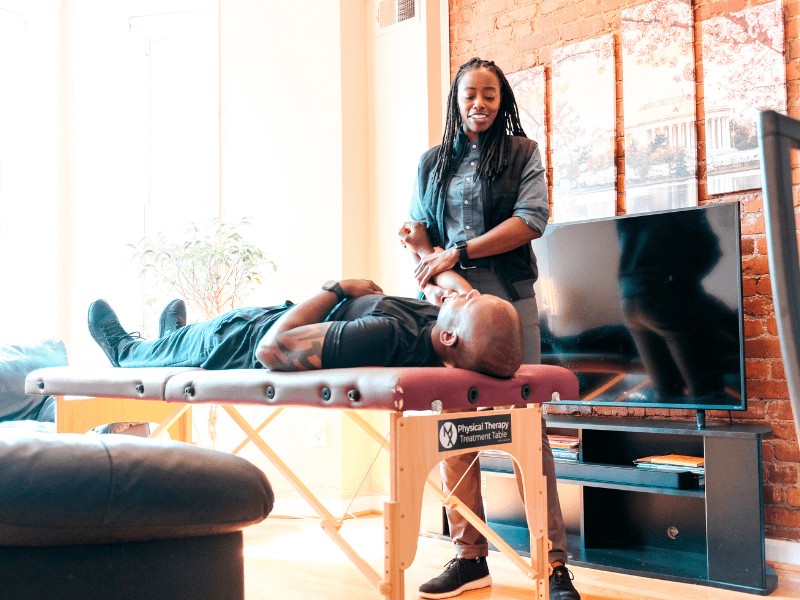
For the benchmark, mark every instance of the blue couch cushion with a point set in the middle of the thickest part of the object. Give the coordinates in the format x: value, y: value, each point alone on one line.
x: 16, y: 361
x: 67, y: 488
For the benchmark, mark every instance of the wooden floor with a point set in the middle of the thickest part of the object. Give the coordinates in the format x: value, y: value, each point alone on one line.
x: 293, y: 559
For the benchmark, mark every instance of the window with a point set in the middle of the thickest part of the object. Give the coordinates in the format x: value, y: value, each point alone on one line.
x: 29, y: 207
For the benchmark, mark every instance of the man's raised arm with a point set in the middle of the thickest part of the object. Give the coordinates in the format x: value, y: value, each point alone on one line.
x: 448, y: 283
x: 294, y: 342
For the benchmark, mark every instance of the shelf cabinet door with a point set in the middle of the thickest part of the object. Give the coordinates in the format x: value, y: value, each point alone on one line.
x: 734, y: 511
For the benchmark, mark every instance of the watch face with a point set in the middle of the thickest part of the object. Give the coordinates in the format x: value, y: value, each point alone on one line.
x: 328, y: 285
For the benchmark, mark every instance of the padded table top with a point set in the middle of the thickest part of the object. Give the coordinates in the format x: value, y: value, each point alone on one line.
x: 382, y: 388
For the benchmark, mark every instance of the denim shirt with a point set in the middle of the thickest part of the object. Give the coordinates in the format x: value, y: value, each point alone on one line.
x: 463, y: 210
x: 464, y: 214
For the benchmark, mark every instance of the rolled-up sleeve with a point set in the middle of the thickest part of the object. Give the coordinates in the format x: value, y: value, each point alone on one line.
x: 415, y: 212
x: 532, y: 204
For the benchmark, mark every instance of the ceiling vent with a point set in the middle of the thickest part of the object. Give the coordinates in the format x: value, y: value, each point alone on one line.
x: 393, y: 12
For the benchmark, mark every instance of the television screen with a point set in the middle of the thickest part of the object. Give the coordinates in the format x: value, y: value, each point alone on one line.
x: 646, y: 309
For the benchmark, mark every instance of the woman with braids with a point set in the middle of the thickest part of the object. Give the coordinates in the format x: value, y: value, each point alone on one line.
x: 481, y: 197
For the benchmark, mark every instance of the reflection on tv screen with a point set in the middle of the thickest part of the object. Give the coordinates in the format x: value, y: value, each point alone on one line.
x: 646, y: 309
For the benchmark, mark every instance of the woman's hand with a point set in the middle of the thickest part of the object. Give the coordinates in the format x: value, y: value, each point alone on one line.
x: 434, y: 263
x: 354, y: 288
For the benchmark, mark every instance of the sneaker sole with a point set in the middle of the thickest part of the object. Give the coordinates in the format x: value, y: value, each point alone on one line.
x: 470, y: 585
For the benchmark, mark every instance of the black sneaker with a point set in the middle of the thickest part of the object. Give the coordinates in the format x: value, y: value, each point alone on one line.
x: 107, y: 331
x: 561, y: 587
x: 460, y: 575
x: 172, y: 317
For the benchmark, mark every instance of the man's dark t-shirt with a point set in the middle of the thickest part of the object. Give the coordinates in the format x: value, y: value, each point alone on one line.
x: 380, y: 331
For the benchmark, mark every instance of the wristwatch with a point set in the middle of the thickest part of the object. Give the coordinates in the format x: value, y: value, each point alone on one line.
x: 463, y: 258
x: 333, y: 286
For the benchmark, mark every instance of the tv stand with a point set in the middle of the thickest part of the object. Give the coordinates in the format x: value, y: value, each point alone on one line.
x: 701, y: 418
x: 666, y: 525
x: 709, y: 532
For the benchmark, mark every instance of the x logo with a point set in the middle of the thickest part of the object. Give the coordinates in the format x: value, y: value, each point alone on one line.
x: 447, y: 434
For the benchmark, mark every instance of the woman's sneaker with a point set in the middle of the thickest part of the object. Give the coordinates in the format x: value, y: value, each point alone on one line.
x: 460, y: 575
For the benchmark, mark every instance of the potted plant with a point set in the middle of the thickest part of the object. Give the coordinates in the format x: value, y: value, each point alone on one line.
x: 212, y: 267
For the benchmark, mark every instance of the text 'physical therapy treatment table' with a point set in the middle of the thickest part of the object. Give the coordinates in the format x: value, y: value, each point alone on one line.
x: 432, y: 412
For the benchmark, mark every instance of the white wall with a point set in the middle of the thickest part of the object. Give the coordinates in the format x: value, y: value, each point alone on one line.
x: 406, y: 91
x: 281, y: 103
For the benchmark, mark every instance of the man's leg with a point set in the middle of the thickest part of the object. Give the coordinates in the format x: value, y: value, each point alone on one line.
x: 188, y: 346
x: 469, y: 570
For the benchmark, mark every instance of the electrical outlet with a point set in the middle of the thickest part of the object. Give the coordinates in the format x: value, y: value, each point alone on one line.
x: 319, y: 434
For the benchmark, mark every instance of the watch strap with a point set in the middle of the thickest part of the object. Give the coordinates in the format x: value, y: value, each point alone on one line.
x: 463, y: 257
x: 333, y: 286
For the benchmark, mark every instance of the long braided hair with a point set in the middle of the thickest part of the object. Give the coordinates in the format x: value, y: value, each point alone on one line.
x: 495, y: 143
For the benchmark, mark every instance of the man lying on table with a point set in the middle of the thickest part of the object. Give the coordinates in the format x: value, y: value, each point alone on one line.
x: 349, y: 323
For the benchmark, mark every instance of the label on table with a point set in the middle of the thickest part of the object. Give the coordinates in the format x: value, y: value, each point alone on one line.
x: 472, y: 432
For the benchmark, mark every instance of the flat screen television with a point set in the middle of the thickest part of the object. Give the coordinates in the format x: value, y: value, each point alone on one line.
x: 647, y: 309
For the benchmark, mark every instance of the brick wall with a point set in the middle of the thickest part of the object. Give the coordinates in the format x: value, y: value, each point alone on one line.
x: 518, y: 34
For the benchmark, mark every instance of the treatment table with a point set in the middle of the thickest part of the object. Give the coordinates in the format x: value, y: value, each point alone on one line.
x: 434, y: 413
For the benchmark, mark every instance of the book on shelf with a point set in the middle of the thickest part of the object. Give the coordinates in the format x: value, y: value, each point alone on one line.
x: 565, y: 454
x: 672, y: 462
x: 673, y: 459
x: 675, y: 468
x: 563, y: 441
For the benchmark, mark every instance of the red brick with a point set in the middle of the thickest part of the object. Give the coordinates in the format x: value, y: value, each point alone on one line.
x: 550, y: 6
x: 768, y: 455
x: 502, y: 21
x: 502, y: 36
x: 753, y: 204
x: 758, y: 306
x: 767, y: 389
x: 522, y: 29
x: 787, y: 452
x: 756, y: 265
x: 792, y: 496
x: 752, y: 224
x: 757, y: 369
x: 783, y: 431
x: 782, y: 473
x: 782, y: 533
x: 779, y: 410
x: 784, y: 516
x: 493, y: 7
x: 774, y: 494
x: 762, y: 348
x: 764, y: 286
x: 778, y: 370
x: 772, y: 325
x: 568, y: 13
